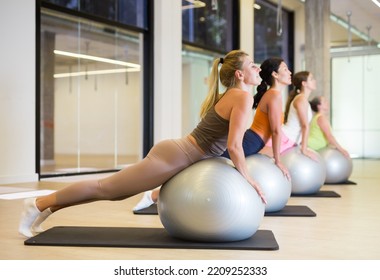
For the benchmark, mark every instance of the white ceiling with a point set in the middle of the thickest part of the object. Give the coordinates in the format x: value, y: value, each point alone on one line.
x: 363, y: 13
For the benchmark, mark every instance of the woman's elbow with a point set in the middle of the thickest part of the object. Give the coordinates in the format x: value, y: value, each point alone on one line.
x: 233, y: 149
x: 305, y: 127
x: 276, y: 132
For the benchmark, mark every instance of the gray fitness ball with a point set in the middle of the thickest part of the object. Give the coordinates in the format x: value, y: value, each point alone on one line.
x: 210, y: 201
x: 276, y: 187
x: 338, y: 167
x: 308, y: 175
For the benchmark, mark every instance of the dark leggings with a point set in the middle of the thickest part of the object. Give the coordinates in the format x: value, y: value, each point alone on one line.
x: 252, y: 144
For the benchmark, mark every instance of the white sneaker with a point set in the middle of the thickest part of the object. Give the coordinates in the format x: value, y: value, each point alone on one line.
x: 145, y: 201
x: 28, y: 217
x: 36, y: 227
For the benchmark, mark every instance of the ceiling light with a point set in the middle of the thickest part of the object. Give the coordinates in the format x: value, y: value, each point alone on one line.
x: 376, y: 2
x: 96, y: 58
x: 95, y: 72
x: 256, y: 6
x: 194, y: 4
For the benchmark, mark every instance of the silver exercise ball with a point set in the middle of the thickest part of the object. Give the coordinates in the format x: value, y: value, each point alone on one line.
x: 276, y: 187
x: 210, y: 201
x: 307, y: 175
x: 338, y: 167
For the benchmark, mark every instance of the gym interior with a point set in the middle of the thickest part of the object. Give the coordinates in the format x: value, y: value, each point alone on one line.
x: 86, y: 90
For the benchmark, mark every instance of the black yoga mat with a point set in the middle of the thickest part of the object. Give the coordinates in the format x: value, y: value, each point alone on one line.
x: 142, y: 238
x: 293, y: 211
x: 287, y: 211
x: 348, y: 182
x: 318, y: 194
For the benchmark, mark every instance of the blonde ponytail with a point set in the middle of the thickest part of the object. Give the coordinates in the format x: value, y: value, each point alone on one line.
x: 213, y: 92
x: 230, y: 63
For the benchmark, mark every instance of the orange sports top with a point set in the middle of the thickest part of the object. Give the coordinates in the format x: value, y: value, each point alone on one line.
x: 261, y: 125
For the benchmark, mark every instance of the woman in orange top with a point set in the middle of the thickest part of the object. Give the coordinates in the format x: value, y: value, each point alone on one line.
x: 268, y: 118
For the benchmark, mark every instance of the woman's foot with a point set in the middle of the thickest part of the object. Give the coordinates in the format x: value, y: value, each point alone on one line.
x: 28, y: 217
x: 145, y: 201
x: 36, y: 227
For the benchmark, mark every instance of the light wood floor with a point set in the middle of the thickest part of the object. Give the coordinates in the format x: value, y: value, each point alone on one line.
x: 345, y: 228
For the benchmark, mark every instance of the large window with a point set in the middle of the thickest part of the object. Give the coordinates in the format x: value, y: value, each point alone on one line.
x: 196, y: 68
x: 268, y: 42
x: 208, y: 31
x: 130, y: 12
x: 91, y: 102
x: 354, y: 99
x: 210, y: 24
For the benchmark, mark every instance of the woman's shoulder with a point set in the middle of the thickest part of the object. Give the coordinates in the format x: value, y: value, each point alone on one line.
x: 273, y: 95
x: 272, y: 100
x: 273, y: 91
x: 235, y: 98
x: 244, y: 99
x: 239, y: 94
x: 236, y: 91
x: 300, y: 100
x: 320, y: 118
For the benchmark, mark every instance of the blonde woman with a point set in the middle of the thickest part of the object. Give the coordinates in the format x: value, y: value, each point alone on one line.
x: 267, y: 122
x: 223, y: 124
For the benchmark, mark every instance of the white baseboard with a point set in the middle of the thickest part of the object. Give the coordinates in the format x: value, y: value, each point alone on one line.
x: 18, y: 179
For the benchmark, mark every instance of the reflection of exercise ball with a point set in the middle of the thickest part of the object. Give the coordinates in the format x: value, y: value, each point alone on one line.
x: 272, y: 181
x: 210, y: 201
x: 338, y: 167
x: 307, y: 175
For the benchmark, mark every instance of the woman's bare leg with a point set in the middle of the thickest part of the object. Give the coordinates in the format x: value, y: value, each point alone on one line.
x: 165, y: 160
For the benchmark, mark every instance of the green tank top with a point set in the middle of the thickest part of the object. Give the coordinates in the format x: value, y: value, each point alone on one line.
x: 317, y: 139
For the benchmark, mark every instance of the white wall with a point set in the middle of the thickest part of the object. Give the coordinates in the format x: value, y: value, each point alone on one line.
x: 247, y: 26
x: 17, y: 91
x: 167, y: 69
x: 299, y: 39
x: 355, y: 97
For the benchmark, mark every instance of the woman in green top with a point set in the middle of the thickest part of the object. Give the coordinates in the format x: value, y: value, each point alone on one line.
x: 320, y: 133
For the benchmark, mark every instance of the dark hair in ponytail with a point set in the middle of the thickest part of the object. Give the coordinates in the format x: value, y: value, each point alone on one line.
x: 267, y: 68
x: 297, y: 80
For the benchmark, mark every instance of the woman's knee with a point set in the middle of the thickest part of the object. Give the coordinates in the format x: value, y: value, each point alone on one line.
x: 102, y: 192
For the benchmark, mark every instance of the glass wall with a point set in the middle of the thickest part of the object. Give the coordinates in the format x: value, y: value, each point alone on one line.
x: 268, y: 42
x: 196, y: 67
x: 354, y: 100
x: 209, y: 24
x: 90, y: 95
x: 208, y: 32
x: 129, y: 12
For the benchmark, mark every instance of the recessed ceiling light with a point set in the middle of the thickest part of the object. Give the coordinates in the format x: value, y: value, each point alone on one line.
x: 97, y: 58
x: 376, y: 2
